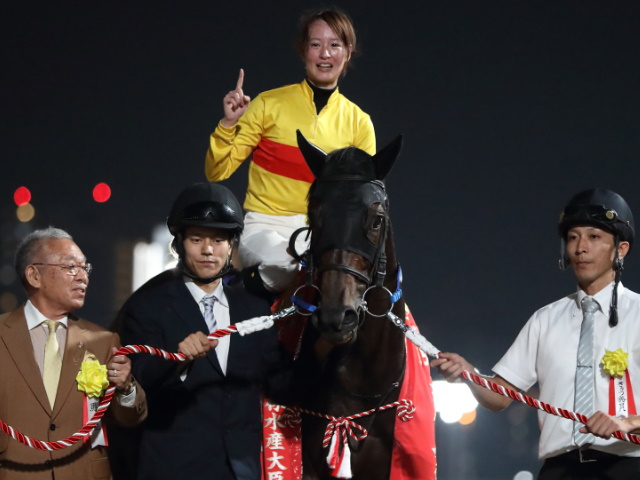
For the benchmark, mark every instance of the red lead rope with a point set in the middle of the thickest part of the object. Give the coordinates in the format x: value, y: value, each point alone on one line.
x: 427, y: 347
x: 532, y: 402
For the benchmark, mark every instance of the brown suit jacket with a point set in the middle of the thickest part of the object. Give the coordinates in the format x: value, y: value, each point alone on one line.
x: 25, y: 407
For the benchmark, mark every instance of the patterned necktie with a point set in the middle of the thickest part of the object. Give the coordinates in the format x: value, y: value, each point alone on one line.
x: 52, y: 362
x: 584, y: 372
x: 208, y: 302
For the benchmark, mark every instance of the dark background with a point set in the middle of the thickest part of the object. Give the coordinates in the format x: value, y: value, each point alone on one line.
x: 508, y: 109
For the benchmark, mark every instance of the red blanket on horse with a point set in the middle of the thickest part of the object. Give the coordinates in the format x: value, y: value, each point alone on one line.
x: 414, y: 452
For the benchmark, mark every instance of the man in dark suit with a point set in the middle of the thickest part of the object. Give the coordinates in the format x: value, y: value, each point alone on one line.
x: 42, y: 349
x: 204, y: 414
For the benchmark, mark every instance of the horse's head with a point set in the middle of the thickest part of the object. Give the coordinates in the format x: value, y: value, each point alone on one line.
x: 348, y: 218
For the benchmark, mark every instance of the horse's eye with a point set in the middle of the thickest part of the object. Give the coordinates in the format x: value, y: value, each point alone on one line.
x: 377, y: 222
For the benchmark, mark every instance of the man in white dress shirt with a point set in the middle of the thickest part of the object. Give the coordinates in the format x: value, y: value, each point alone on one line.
x: 597, y: 232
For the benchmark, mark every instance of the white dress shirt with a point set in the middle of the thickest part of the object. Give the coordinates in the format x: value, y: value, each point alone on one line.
x: 39, y: 332
x: 545, y: 352
x: 220, y: 313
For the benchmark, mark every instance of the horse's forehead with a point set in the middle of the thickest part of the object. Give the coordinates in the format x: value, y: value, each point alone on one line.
x: 349, y: 195
x: 349, y: 161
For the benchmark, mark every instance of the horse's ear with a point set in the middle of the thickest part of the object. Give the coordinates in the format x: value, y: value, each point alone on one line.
x: 384, y: 159
x: 314, y: 156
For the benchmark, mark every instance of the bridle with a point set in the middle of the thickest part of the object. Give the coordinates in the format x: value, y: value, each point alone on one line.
x: 373, y: 279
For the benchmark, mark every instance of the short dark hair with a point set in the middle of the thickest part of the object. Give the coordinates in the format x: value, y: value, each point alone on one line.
x: 338, y: 21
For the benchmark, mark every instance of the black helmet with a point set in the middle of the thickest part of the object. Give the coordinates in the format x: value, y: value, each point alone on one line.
x: 207, y: 205
x: 601, y: 208
x: 604, y: 209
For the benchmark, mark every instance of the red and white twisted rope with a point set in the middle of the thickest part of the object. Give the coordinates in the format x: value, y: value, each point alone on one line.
x: 545, y: 407
x: 248, y: 326
x: 67, y: 442
x: 340, y: 429
x: 428, y: 348
x: 344, y: 426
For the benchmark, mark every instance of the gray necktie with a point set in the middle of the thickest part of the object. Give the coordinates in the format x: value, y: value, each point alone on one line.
x: 208, y: 302
x: 584, y: 372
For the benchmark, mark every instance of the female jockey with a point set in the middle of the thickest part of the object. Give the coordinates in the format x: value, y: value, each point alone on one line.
x: 265, y: 129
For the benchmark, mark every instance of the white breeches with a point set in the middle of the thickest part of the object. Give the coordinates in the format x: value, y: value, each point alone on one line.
x: 264, y: 242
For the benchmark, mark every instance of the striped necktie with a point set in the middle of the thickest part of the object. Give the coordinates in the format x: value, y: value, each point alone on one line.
x: 52, y: 362
x: 584, y: 387
x: 208, y: 302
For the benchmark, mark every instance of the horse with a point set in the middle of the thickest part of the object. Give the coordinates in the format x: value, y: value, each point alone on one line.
x: 353, y: 357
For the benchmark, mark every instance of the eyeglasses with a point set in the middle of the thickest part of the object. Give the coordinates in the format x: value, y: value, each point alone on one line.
x: 72, y: 269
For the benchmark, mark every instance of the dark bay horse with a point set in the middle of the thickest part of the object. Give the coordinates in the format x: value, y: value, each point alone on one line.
x: 354, y: 360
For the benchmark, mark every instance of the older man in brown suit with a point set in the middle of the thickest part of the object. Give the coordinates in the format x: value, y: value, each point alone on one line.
x: 42, y: 349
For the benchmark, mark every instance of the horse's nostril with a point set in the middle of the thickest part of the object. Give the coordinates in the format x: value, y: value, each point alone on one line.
x: 350, y: 318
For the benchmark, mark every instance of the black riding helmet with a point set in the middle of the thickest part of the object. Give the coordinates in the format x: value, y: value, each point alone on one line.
x: 206, y: 205
x: 601, y: 208
x: 604, y: 209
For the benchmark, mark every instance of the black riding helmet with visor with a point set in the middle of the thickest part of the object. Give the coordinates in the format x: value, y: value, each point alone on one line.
x: 604, y: 209
x: 204, y: 205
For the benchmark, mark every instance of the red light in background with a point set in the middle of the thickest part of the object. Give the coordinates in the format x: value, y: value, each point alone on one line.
x: 101, y: 192
x: 22, y: 196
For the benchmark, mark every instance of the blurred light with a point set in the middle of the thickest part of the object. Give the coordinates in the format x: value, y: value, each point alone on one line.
x: 453, y: 401
x: 523, y: 475
x: 150, y: 259
x: 8, y: 302
x: 468, y: 418
x: 22, y: 196
x: 101, y: 192
x: 25, y: 213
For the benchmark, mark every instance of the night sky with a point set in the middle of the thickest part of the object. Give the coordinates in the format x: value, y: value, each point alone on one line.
x: 507, y: 108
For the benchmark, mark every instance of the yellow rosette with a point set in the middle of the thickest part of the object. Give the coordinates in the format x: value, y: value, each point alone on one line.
x: 92, y: 377
x: 615, y: 362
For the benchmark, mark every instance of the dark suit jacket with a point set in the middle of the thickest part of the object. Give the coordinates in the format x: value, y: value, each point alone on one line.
x: 198, y: 427
x: 24, y: 404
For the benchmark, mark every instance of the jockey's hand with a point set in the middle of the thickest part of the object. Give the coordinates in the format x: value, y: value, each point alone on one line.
x: 196, y: 345
x: 235, y: 103
x: 603, y: 425
x: 450, y: 366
